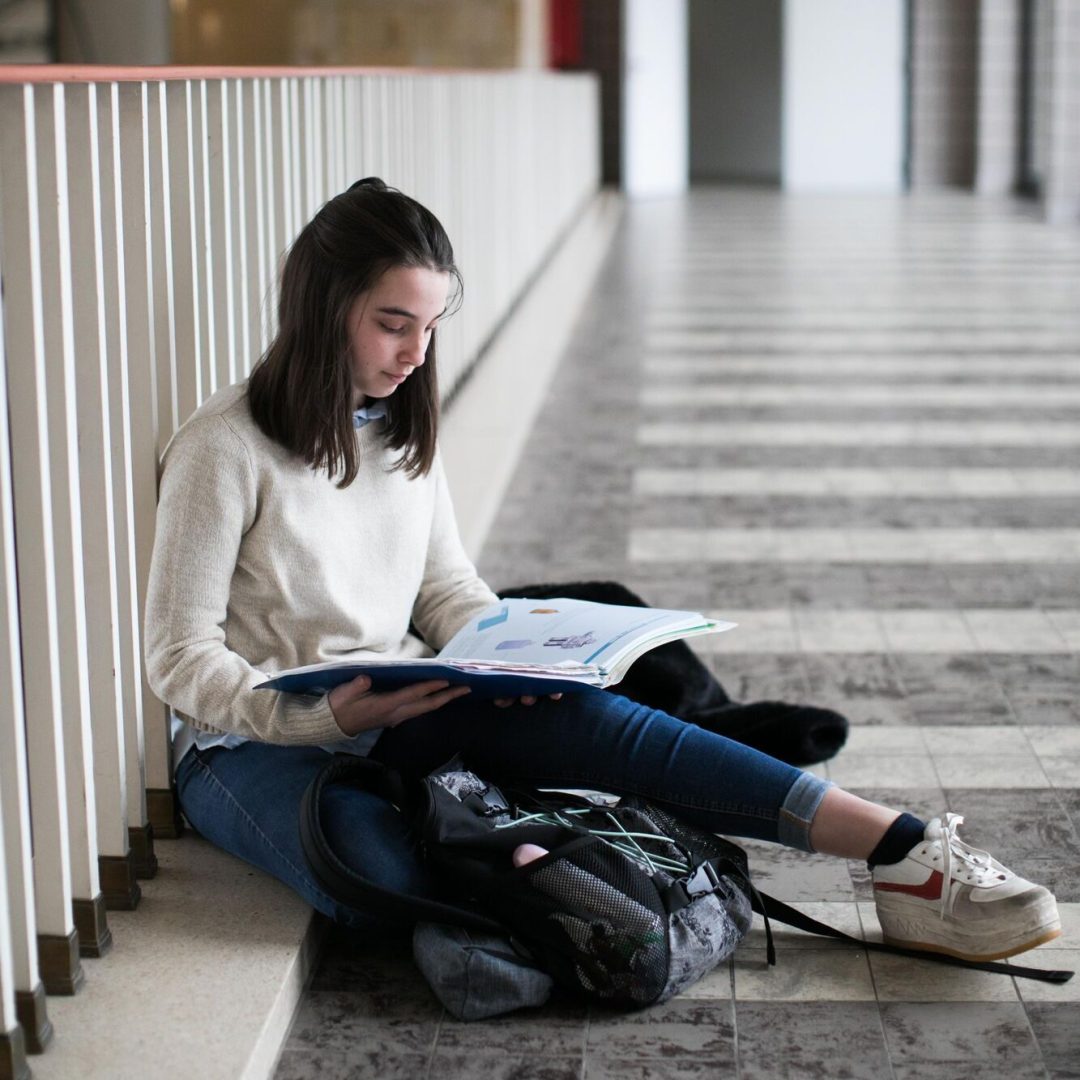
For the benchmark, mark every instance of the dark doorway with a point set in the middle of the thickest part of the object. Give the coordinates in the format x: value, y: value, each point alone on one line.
x: 736, y: 74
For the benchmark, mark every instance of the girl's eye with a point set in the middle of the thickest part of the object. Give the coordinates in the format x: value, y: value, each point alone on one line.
x: 392, y: 329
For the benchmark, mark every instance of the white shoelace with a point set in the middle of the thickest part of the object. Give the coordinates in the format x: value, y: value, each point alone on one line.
x: 978, y: 864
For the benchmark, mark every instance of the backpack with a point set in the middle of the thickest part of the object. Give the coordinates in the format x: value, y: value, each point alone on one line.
x: 629, y: 905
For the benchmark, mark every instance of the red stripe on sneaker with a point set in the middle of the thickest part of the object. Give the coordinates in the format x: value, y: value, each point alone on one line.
x: 930, y: 889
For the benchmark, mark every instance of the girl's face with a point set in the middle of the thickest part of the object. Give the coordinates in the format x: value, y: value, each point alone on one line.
x: 390, y: 326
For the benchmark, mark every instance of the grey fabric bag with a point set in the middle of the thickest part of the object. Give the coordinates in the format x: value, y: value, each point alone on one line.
x: 475, y: 974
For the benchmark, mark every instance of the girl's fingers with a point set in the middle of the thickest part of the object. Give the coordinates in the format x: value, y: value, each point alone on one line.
x: 345, y: 694
x: 415, y: 691
x: 426, y: 705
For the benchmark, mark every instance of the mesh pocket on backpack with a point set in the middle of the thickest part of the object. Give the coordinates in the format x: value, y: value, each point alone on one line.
x: 613, y: 916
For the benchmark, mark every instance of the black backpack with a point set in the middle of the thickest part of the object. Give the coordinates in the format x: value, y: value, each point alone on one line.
x: 630, y: 905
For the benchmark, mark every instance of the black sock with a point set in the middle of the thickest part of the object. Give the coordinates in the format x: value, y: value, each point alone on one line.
x: 900, y: 837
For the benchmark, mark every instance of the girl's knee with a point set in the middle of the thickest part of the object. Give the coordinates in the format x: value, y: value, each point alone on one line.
x: 370, y: 836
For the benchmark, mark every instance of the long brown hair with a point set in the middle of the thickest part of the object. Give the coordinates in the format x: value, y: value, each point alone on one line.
x: 301, y: 389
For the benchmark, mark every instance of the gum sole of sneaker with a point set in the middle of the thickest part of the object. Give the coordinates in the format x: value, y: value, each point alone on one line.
x: 1030, y: 943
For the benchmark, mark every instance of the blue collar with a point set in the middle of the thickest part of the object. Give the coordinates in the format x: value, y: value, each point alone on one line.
x: 366, y: 413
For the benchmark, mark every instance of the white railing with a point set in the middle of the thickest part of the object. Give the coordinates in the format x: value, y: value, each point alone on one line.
x: 143, y: 215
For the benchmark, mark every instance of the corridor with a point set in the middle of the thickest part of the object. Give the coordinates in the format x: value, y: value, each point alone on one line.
x: 851, y: 425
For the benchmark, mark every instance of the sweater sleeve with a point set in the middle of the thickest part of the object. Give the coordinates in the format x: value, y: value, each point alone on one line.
x: 206, y: 503
x: 452, y: 591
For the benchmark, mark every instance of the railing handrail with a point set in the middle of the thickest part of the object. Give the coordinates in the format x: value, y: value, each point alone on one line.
x: 82, y: 73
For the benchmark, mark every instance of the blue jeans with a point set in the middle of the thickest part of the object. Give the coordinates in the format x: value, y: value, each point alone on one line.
x: 246, y: 799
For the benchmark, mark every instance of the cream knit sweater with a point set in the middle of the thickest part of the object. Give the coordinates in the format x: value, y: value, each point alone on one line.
x: 260, y: 563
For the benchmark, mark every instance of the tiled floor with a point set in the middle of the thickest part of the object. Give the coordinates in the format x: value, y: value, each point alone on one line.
x: 853, y: 425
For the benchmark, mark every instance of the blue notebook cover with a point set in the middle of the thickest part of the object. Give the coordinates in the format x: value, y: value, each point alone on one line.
x: 390, y: 677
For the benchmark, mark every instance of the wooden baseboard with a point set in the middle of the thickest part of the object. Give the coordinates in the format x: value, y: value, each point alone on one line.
x: 163, y: 810
x: 95, y: 937
x: 33, y: 1017
x: 58, y: 958
x: 13, y: 1064
x: 141, y: 841
x: 118, y: 884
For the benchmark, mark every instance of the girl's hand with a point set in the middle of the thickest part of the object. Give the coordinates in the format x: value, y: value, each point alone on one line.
x: 356, y: 708
x: 505, y: 702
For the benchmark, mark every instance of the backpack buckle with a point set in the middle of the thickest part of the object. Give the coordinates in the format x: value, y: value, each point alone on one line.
x: 489, y: 803
x: 703, y: 880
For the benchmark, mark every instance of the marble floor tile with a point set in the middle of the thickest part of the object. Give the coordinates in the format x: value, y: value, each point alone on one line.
x: 747, y: 585
x: 1058, y: 751
x: 1050, y: 741
x: 830, y: 586
x: 908, y: 586
x: 993, y: 1035
x: 557, y: 1028
x: 357, y: 1063
x: 841, y: 915
x: 939, y: 631
x: 900, y: 978
x: 989, y: 770
x: 683, y: 1028
x: 612, y: 1067
x: 762, y: 676
x: 1056, y: 587
x: 1061, y: 433
x: 1030, y: 679
x: 903, y: 741
x: 901, y: 770
x: 803, y: 1040
x: 966, y: 1070
x: 951, y: 741
x: 1017, y: 824
x: 826, y: 974
x: 839, y: 631
x: 505, y: 1066
x: 792, y: 875
x: 1058, y: 1035
x: 951, y: 689
x: 696, y: 394
x: 715, y: 986
x: 330, y: 1021
x: 1013, y: 587
x: 1059, y: 960
x: 855, y: 676
x: 1003, y: 630
x: 756, y: 632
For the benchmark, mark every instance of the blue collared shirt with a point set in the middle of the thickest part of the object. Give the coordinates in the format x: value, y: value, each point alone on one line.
x: 366, y: 413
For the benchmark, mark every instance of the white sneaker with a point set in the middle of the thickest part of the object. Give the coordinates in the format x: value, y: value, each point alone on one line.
x: 947, y: 897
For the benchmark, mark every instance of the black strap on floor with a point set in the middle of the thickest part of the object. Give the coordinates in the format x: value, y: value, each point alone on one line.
x: 771, y: 908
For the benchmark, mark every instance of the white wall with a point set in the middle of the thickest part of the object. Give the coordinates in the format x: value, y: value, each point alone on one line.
x: 843, y: 95
x: 655, y: 127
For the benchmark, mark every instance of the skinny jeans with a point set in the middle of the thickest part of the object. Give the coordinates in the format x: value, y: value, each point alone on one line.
x: 246, y: 799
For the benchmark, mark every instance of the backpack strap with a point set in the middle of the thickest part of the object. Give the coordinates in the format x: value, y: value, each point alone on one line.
x: 769, y: 907
x: 344, y: 883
